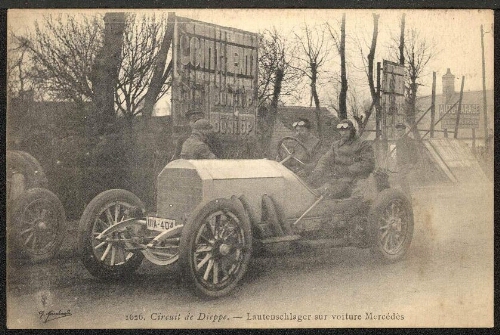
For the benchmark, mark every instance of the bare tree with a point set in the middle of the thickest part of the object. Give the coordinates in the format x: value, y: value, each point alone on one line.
x: 277, y: 78
x: 276, y: 56
x: 369, y: 67
x: 402, y: 40
x: 159, y: 83
x: 18, y: 79
x: 140, y: 56
x: 331, y: 95
x: 62, y: 53
x: 418, y: 52
x: 104, y: 75
x: 315, y: 49
x: 342, y: 110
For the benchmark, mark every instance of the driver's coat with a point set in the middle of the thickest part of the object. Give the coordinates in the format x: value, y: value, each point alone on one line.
x: 354, y: 159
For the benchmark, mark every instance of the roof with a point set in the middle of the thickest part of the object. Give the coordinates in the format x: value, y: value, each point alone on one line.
x: 289, y: 114
x: 469, y: 97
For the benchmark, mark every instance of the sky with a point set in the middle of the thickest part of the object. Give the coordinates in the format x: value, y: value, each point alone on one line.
x: 455, y: 34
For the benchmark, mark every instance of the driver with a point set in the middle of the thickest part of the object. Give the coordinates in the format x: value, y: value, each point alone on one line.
x: 347, y: 160
x: 303, y: 133
x: 311, y: 143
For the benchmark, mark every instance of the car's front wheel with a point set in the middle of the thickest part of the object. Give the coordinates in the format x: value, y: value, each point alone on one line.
x: 215, y: 247
x: 110, y: 258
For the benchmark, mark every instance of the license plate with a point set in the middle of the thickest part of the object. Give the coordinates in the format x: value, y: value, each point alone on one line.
x: 159, y: 224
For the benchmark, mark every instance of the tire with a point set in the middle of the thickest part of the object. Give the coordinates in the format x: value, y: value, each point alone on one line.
x: 37, y: 167
x: 30, y: 167
x: 20, y: 162
x: 224, y: 260
x: 37, y: 224
x: 95, y: 255
x: 390, y: 226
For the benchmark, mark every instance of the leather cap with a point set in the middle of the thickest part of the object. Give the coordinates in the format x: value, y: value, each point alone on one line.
x: 203, y: 125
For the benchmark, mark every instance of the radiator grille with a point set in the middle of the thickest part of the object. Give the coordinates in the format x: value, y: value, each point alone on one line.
x: 179, y: 192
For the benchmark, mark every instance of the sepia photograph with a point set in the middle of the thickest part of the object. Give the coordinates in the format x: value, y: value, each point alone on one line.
x: 249, y: 168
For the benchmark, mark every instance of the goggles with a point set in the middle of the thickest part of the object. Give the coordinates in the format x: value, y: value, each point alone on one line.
x: 299, y: 123
x: 343, y: 126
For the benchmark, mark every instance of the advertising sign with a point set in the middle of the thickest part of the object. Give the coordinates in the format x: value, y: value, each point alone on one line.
x: 392, y: 99
x: 469, y: 116
x: 393, y: 81
x: 393, y: 86
x: 215, y: 71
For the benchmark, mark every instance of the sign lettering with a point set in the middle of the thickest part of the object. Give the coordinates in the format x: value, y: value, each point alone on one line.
x: 469, y: 116
x: 215, y: 71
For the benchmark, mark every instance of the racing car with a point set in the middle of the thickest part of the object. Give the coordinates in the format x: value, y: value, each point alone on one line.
x: 213, y: 215
x: 36, y: 221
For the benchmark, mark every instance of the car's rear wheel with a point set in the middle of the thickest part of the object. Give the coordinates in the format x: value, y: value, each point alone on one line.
x: 391, y: 225
x: 37, y: 224
x: 109, y: 259
x: 215, y: 248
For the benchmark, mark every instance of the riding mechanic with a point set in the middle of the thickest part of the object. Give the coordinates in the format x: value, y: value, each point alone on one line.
x: 196, y: 146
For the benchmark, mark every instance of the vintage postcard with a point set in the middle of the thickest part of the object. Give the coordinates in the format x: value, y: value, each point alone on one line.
x: 249, y: 168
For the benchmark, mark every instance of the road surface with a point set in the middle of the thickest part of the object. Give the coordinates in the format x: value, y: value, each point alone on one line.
x: 445, y: 281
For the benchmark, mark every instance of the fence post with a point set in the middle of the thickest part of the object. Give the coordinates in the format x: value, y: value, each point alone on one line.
x: 474, y: 141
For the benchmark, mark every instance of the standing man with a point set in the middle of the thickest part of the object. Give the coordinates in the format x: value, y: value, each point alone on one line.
x: 196, y: 146
x: 348, y: 160
x: 192, y: 116
x: 406, y: 157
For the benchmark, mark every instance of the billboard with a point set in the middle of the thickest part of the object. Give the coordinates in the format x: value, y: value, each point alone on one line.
x: 215, y: 71
x: 392, y: 98
x: 393, y: 80
x: 469, y: 116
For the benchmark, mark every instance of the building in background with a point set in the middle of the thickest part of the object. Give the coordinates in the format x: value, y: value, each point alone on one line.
x: 471, y: 112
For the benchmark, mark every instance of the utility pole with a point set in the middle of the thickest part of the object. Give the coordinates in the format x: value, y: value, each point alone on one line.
x: 459, y: 108
x: 378, y: 111
x: 402, y: 41
x: 484, y: 95
x: 433, y: 103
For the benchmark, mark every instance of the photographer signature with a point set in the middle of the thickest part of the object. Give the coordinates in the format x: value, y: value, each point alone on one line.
x: 53, y: 315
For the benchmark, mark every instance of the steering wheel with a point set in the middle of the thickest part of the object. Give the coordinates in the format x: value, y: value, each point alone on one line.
x: 292, y: 148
